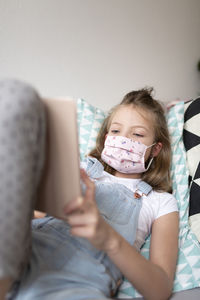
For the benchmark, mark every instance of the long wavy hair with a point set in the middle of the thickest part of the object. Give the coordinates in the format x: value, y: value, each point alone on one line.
x: 158, y: 175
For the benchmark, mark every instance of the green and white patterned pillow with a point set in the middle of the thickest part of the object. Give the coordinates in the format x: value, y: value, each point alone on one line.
x: 90, y: 119
x: 187, y: 275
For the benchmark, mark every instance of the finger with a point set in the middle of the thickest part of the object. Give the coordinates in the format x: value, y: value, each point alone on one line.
x: 73, y: 205
x: 90, y: 186
x: 80, y: 219
x: 83, y: 231
x: 88, y: 182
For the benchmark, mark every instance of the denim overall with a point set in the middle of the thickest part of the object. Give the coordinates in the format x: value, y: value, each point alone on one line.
x: 66, y: 267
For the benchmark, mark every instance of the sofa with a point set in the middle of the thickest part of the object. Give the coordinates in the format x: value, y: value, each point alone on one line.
x: 183, y: 119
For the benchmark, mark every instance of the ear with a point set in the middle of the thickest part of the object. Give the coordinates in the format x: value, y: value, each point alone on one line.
x: 156, y: 149
x: 105, y: 136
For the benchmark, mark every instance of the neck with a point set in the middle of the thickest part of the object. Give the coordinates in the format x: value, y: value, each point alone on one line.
x: 126, y: 175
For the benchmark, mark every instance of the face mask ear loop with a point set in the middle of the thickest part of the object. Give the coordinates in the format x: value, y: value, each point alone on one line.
x: 152, y: 145
x: 149, y: 164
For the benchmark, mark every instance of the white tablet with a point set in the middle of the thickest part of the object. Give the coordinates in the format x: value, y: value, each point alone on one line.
x: 60, y: 182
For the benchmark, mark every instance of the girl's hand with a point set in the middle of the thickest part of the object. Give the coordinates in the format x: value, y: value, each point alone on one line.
x: 84, y: 218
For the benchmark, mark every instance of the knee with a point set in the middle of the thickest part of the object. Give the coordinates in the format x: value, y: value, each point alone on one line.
x: 19, y: 97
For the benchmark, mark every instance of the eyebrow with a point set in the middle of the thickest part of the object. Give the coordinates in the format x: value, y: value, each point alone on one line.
x: 134, y: 126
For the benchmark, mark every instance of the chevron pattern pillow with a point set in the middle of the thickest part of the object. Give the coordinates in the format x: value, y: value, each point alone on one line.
x: 90, y: 119
x: 188, y: 264
x: 191, y: 138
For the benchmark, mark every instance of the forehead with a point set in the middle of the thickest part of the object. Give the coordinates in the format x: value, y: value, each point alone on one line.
x: 133, y: 116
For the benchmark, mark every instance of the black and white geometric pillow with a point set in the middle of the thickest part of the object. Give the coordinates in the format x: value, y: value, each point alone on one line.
x: 191, y: 138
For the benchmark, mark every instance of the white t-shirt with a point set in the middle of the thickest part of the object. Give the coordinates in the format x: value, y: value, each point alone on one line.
x: 154, y: 205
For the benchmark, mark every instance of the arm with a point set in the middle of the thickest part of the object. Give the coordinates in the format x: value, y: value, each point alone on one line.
x: 152, y: 278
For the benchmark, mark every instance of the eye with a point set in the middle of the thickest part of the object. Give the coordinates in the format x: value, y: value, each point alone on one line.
x: 138, y: 135
x: 115, y: 131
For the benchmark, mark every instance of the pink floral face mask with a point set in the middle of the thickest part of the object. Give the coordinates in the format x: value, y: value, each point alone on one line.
x: 125, y: 155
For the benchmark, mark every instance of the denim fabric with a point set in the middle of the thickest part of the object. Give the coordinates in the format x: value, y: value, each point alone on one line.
x: 115, y: 202
x: 63, y: 265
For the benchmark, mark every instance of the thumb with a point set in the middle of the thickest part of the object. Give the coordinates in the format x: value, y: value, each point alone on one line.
x: 73, y: 205
x: 90, y: 186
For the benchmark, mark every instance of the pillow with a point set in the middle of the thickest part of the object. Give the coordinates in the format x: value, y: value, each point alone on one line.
x: 90, y: 119
x: 191, y: 138
x: 188, y: 265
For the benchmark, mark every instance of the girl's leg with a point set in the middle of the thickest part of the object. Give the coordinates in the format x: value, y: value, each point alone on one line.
x: 22, y: 146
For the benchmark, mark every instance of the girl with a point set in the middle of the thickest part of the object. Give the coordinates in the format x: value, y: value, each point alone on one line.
x: 125, y: 199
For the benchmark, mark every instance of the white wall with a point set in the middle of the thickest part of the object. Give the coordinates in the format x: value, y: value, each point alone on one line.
x: 101, y: 49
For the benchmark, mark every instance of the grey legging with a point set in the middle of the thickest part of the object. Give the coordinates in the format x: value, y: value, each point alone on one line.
x: 22, y: 132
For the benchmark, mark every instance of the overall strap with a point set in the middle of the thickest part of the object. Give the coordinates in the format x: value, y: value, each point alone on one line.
x: 143, y: 188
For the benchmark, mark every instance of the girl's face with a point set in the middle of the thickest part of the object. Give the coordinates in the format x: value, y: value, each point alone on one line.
x: 134, y: 123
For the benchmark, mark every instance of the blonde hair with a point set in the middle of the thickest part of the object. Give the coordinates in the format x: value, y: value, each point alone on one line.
x: 158, y: 175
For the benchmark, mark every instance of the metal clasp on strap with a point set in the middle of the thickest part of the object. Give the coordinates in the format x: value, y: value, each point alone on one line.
x: 137, y: 195
x: 143, y: 188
